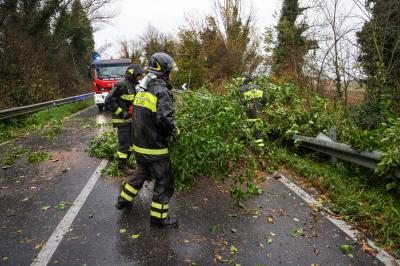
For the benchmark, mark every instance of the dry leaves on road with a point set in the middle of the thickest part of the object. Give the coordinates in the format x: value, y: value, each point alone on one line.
x: 271, y: 219
x: 367, y: 248
x: 219, y: 258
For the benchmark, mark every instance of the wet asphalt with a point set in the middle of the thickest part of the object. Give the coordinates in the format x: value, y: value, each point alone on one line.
x: 275, y: 228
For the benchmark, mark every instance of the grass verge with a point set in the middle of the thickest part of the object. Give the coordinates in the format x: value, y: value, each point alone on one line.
x: 15, y: 153
x: 14, y: 127
x: 368, y: 205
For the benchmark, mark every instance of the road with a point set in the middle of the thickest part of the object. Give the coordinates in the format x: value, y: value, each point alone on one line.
x: 275, y: 228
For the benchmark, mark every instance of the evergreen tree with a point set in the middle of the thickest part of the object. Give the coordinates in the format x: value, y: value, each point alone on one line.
x: 45, y: 46
x: 190, y: 62
x: 213, y: 50
x: 292, y: 45
x: 379, y: 40
x: 81, y: 35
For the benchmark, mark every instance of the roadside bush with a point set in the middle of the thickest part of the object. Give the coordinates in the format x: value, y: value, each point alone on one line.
x: 288, y: 113
x: 370, y: 115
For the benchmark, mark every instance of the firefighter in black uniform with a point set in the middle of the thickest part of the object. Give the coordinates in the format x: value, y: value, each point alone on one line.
x: 153, y: 118
x: 119, y: 101
x: 255, y: 99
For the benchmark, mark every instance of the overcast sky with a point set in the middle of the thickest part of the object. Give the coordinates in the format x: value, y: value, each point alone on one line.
x: 167, y: 16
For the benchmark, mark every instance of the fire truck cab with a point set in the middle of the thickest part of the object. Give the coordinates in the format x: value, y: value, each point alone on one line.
x: 105, y: 73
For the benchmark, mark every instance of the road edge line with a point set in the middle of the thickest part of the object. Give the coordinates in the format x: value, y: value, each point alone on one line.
x: 62, y: 228
x: 381, y: 254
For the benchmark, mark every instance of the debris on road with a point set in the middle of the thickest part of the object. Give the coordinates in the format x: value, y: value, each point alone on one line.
x: 271, y: 219
x: 233, y: 249
x: 346, y: 249
x: 276, y: 175
x: 45, y: 208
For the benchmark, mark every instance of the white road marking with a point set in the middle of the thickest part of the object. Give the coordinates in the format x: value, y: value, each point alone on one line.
x: 62, y: 228
x: 381, y: 254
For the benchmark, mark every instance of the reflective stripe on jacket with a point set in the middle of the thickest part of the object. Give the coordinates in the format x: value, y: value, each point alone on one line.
x: 119, y: 100
x: 254, y: 98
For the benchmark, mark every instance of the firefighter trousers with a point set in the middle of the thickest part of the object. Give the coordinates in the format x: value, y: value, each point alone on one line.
x: 257, y: 134
x: 163, y: 186
x: 258, y: 138
x: 124, y: 141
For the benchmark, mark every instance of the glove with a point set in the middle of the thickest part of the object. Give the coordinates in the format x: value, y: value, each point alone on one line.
x: 130, y: 112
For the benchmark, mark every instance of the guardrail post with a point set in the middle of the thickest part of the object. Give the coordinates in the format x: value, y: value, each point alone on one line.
x: 332, y: 134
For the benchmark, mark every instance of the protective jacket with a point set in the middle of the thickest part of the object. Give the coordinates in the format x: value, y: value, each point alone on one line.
x: 119, y: 100
x: 153, y: 119
x: 255, y: 98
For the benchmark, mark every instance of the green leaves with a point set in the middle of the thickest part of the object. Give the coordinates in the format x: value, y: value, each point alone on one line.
x: 346, y: 248
x: 62, y: 205
x: 288, y: 112
x: 298, y: 232
x: 240, y: 194
x: 233, y: 249
x: 45, y: 208
x: 38, y: 157
x: 213, y: 137
x: 213, y: 228
x: 15, y: 153
x: 104, y: 146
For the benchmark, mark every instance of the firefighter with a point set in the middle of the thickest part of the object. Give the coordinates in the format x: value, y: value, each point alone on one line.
x: 154, y: 126
x: 255, y: 99
x: 119, y: 101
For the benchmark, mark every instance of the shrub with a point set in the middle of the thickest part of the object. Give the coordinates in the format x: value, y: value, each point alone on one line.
x: 289, y: 113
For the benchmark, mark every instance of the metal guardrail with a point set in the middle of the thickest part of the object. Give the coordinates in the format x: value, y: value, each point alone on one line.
x: 338, y: 150
x: 17, y: 111
x: 342, y: 151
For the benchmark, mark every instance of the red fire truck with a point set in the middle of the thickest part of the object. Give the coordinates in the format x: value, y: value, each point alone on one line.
x: 105, y: 73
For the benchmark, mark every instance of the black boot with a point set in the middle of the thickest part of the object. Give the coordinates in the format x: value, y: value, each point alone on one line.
x: 265, y: 149
x: 122, y: 204
x: 168, y: 222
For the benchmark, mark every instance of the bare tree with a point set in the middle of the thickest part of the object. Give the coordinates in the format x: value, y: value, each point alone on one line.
x: 236, y: 28
x: 124, y: 48
x: 156, y: 41
x: 136, y: 50
x: 104, y: 47
x: 99, y: 11
x: 131, y: 49
x: 336, y: 57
